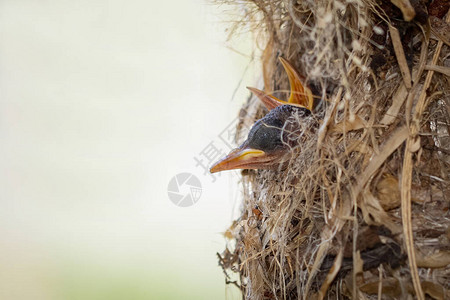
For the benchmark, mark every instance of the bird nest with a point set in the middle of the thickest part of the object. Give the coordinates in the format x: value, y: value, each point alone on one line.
x: 362, y: 207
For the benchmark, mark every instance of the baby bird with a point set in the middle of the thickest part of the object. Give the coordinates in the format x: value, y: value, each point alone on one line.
x: 272, y: 137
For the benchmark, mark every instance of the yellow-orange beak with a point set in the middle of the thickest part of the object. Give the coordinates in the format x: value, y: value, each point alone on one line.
x: 269, y: 101
x: 246, y: 158
x: 300, y: 95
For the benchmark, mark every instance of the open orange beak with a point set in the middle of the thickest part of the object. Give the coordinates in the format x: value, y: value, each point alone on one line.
x: 300, y: 95
x: 269, y: 101
x: 243, y: 158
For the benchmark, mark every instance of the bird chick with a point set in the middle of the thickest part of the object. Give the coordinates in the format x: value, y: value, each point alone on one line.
x: 268, y: 142
x: 272, y: 137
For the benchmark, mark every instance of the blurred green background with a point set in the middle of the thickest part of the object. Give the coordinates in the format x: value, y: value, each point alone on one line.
x: 101, y: 104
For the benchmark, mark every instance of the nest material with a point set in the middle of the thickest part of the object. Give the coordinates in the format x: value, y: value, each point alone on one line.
x: 362, y: 208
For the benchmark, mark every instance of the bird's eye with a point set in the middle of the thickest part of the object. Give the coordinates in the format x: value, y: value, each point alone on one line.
x: 264, y: 137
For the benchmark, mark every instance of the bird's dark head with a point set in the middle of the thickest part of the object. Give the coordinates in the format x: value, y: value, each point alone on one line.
x: 268, y: 141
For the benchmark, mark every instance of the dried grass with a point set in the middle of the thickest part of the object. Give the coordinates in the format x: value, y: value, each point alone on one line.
x: 362, y: 208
